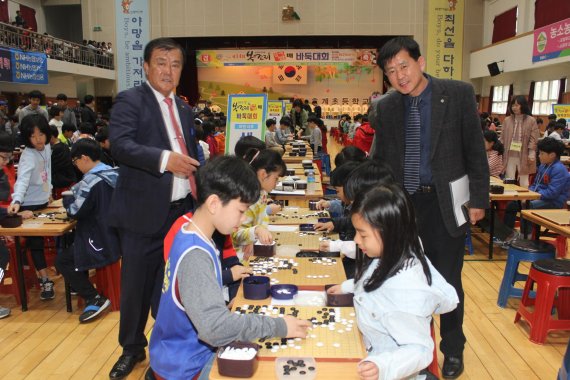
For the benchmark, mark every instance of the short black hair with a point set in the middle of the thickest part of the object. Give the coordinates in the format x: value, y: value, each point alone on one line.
x: 313, y: 119
x: 54, y: 111
x: 68, y: 128
x: 349, y: 153
x: 53, y: 131
x: 551, y: 145
x: 35, y: 94
x: 365, y: 176
x: 559, y: 125
x: 394, y: 46
x: 88, y: 99
x: 162, y: 44
x: 31, y: 122
x: 86, y: 147
x: 340, y: 175
x: 358, y: 117
x: 246, y: 143
x: 208, y: 128
x: 87, y: 128
x: 6, y: 142
x: 61, y: 97
x: 297, y: 103
x: 552, y: 116
x: 266, y: 159
x: 229, y: 178
x: 102, y: 134
x: 270, y: 122
x: 286, y: 120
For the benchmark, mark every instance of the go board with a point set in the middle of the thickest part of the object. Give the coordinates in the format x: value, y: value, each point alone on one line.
x: 307, y: 273
x: 334, y: 334
x: 305, y: 241
x: 297, y: 215
x: 52, y: 217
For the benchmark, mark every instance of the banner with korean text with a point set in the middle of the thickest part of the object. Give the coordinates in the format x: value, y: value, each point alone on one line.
x: 132, y: 31
x: 23, y: 67
x: 562, y: 111
x: 551, y: 41
x: 275, y: 110
x: 278, y: 57
x: 445, y: 39
x: 246, y: 117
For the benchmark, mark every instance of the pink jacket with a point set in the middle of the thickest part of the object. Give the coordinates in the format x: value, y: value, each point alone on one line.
x: 530, y: 136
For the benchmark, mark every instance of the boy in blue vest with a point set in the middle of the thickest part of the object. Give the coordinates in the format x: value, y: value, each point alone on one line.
x: 192, y: 317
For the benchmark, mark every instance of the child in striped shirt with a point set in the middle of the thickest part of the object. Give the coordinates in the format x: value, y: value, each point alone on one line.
x: 269, y: 166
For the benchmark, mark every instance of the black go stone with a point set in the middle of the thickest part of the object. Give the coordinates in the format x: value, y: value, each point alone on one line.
x: 290, y: 362
x: 311, y: 368
x: 302, y: 372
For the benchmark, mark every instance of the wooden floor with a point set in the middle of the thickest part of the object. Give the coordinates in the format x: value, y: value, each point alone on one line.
x: 48, y: 343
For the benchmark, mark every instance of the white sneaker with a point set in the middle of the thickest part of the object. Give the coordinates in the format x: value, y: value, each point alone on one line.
x: 4, y: 312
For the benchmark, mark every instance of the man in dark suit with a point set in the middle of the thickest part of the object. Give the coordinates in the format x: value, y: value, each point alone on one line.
x: 445, y: 145
x: 153, y: 138
x: 88, y: 114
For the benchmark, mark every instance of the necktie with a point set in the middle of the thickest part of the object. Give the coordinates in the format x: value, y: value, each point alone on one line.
x: 412, y: 155
x: 181, y: 143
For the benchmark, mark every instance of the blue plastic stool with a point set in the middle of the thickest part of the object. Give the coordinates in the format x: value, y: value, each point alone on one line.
x: 468, y: 241
x: 521, y: 250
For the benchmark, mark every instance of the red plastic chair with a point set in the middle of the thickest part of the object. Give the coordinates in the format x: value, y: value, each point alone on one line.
x: 552, y: 277
x: 434, y: 367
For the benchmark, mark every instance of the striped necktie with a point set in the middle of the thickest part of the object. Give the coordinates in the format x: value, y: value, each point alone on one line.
x: 412, y: 157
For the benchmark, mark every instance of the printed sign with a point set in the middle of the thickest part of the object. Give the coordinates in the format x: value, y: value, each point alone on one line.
x: 23, y: 67
x: 275, y: 110
x: 445, y: 39
x: 246, y: 117
x: 561, y: 111
x: 133, y: 29
x: 551, y: 41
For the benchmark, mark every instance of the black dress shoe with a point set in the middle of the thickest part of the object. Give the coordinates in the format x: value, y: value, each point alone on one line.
x: 452, y: 367
x: 125, y: 365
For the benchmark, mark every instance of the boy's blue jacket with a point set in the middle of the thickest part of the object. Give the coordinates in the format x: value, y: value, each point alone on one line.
x: 552, y: 182
x: 96, y: 243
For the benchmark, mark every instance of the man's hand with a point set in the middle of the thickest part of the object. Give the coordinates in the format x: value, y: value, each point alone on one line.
x: 275, y: 208
x: 26, y: 214
x: 325, y: 246
x: 335, y: 289
x: 239, y: 272
x: 181, y: 164
x: 476, y: 214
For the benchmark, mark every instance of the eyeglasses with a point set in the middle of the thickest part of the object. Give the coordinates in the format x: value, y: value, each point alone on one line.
x: 6, y: 157
x: 74, y: 160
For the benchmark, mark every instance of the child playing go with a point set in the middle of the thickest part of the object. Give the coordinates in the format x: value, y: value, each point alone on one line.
x: 32, y: 190
x: 268, y: 166
x: 193, y: 318
x: 396, y: 289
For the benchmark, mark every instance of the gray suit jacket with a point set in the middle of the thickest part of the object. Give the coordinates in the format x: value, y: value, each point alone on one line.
x: 457, y: 146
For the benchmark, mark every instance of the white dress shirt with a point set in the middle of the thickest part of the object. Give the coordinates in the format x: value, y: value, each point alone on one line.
x: 180, y: 185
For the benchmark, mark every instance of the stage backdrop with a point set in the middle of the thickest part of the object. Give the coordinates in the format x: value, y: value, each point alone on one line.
x: 334, y: 84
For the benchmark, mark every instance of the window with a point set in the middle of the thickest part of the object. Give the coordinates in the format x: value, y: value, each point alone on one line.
x: 545, y: 95
x: 500, y: 99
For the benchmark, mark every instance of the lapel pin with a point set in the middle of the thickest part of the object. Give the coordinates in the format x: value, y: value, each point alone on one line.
x: 443, y: 100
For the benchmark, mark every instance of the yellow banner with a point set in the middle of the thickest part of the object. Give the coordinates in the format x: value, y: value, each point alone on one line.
x: 445, y: 39
x: 561, y: 111
x: 246, y: 117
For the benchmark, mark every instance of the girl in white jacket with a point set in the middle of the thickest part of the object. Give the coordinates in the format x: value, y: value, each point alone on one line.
x: 396, y: 289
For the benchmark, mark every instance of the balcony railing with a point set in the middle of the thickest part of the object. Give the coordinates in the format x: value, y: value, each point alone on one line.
x: 55, y: 48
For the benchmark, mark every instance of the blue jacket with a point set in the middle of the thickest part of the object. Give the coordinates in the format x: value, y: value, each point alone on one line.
x: 96, y: 243
x: 552, y: 182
